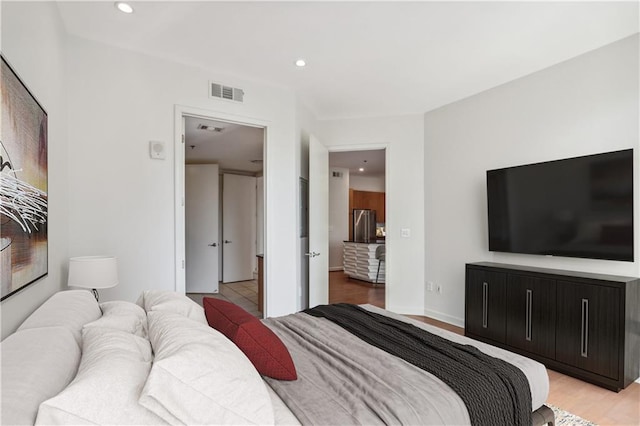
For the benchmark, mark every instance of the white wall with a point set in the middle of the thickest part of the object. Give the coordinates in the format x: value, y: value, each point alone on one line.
x: 403, y: 137
x: 122, y: 203
x: 585, y: 105
x: 338, y: 216
x: 367, y: 183
x: 33, y: 42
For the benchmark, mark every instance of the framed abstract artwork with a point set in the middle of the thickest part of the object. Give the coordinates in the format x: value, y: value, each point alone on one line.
x: 23, y: 185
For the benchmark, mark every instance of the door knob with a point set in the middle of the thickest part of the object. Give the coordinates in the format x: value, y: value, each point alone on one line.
x: 312, y: 254
x: 227, y: 241
x: 213, y: 245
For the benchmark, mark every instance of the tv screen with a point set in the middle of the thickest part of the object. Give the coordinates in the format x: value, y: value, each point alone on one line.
x: 577, y: 207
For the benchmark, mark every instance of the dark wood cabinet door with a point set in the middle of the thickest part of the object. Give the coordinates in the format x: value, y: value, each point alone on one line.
x: 366, y: 200
x: 531, y: 313
x: 588, y: 327
x: 485, y: 304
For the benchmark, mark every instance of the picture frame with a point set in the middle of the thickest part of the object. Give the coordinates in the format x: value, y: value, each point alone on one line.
x: 24, y: 242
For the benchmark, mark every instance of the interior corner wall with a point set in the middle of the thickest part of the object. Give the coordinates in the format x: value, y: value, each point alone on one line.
x: 33, y: 42
x: 121, y: 202
x: 586, y: 105
x: 403, y: 138
x: 338, y: 215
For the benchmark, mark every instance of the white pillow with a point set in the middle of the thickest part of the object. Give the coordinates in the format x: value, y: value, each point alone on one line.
x: 114, y: 367
x: 71, y: 309
x: 121, y: 315
x: 120, y: 307
x: 161, y: 300
x: 37, y: 363
x: 200, y: 377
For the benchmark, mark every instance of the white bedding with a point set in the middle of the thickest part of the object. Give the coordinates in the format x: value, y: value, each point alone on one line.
x: 125, y: 317
x: 281, y: 413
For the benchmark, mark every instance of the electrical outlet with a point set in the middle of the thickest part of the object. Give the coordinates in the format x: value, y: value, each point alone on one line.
x: 439, y: 289
x: 429, y: 286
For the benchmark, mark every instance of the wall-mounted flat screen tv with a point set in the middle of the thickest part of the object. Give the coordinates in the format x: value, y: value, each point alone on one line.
x: 577, y: 207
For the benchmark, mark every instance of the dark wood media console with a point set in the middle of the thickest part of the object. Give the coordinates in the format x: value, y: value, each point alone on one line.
x: 581, y: 324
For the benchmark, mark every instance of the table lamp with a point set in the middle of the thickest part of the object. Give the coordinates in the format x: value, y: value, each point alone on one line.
x: 93, y: 272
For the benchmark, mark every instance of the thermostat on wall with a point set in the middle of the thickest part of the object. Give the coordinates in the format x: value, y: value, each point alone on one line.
x: 156, y: 150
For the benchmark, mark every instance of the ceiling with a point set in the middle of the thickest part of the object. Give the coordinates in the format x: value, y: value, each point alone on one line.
x: 235, y: 147
x: 364, y: 58
x: 239, y: 148
x: 371, y: 161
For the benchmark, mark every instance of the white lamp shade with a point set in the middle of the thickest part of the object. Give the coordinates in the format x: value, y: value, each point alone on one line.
x: 93, y: 272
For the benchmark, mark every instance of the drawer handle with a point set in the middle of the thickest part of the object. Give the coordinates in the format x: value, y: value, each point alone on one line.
x: 584, y: 334
x: 485, y: 304
x: 528, y: 314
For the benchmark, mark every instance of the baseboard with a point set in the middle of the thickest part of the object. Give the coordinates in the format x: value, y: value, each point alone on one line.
x: 336, y: 268
x: 458, y: 322
x: 405, y: 310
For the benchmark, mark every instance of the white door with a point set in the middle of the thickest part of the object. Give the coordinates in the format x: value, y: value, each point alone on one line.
x: 318, y: 223
x: 238, y: 227
x: 201, y: 227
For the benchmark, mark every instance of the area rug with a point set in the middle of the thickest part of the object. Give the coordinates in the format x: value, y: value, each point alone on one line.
x: 565, y: 418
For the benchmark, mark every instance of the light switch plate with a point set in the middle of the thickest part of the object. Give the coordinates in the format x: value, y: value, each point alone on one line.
x: 405, y: 232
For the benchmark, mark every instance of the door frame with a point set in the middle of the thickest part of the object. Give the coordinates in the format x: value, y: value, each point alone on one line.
x: 180, y: 112
x: 388, y: 214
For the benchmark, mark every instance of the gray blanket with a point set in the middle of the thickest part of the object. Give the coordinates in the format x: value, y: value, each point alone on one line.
x: 344, y: 381
x: 494, y: 391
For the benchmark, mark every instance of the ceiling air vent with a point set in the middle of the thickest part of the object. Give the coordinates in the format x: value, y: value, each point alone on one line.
x: 217, y: 90
x: 210, y: 128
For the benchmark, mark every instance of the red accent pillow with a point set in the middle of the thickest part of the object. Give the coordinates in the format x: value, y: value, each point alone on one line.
x: 261, y: 345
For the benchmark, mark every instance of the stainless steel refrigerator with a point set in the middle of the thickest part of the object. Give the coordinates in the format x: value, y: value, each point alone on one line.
x: 364, y: 226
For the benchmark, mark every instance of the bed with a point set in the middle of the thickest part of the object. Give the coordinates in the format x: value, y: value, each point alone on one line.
x: 168, y: 360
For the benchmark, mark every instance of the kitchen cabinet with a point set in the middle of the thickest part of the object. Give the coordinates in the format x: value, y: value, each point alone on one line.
x: 369, y: 200
x: 366, y: 200
x: 585, y: 325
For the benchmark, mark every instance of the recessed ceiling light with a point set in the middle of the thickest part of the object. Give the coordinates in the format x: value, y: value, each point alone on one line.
x: 124, y: 7
x: 361, y: 169
x: 301, y: 63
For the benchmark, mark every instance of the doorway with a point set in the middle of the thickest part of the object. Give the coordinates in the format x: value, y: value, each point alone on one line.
x: 357, y: 182
x: 224, y: 236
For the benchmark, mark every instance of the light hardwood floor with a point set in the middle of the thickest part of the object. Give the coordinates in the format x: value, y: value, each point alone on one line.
x: 588, y: 401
